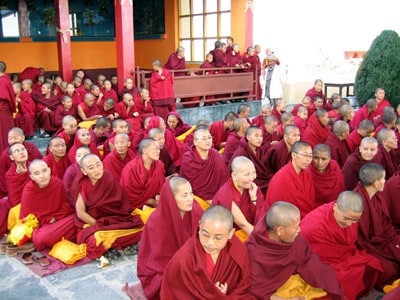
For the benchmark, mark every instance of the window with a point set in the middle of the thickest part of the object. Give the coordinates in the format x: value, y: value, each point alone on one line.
x: 201, y: 23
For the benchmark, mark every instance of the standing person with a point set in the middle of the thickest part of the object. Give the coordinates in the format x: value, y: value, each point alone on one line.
x: 273, y: 81
x: 252, y: 63
x: 176, y: 61
x: 161, y: 90
x: 7, y: 106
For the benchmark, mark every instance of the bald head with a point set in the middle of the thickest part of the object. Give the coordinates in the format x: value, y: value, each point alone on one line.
x: 281, y: 214
x: 176, y: 182
x: 154, y: 132
x: 385, y: 134
x: 289, y: 129
x: 349, y: 201
x: 16, y: 130
x: 252, y: 129
x: 340, y: 128
x: 86, y: 158
x: 218, y: 214
x: 37, y: 164
x: 371, y: 104
x: 199, y: 132
x: 240, y: 163
x: 371, y: 172
x: 146, y: 143
x: 230, y: 116
x: 68, y: 119
x: 368, y: 141
x: 121, y: 137
x: 238, y: 123
x: 322, y: 149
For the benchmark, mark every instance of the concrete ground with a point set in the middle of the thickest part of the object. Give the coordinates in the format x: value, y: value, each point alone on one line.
x: 83, y: 282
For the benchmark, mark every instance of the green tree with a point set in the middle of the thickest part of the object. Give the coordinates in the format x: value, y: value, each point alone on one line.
x: 380, y: 68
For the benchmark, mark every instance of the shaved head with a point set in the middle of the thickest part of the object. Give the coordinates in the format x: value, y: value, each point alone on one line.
x: 37, y: 163
x: 322, y: 148
x: 350, y: 201
x: 281, y: 214
x: 371, y: 172
x: 175, y: 182
x: 239, y: 162
x: 218, y: 214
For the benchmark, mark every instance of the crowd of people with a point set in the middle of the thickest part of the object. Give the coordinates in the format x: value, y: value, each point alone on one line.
x: 283, y: 205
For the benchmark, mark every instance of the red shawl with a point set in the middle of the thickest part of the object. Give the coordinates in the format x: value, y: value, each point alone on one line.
x: 277, y: 156
x: 161, y: 88
x: 77, y: 144
x: 327, y: 185
x: 228, y: 193
x: 356, y: 270
x: 353, y: 141
x: 218, y: 133
x: 107, y: 203
x: 379, y: 110
x: 27, y: 104
x: 90, y: 111
x: 69, y: 141
x: 45, y: 203
x: 186, y: 275
x: 57, y: 168
x: 180, y: 127
x: 42, y: 102
x: 376, y: 234
x: 30, y: 73
x: 258, y: 121
x: 16, y: 183
x: 233, y: 60
x: 72, y: 190
x: 176, y: 63
x: 232, y: 143
x: 134, y: 92
x: 272, y: 263
x: 111, y: 94
x: 141, y: 184
x: 254, y: 62
x: 219, y: 58
x: 315, y: 133
x: 205, y: 175
x: 7, y: 95
x: 268, y: 138
x: 298, y: 189
x: 114, y: 164
x: 122, y: 111
x: 164, y: 234
x: 60, y: 113
x: 312, y: 93
x: 387, y: 160
x: 144, y: 111
x: 360, y: 115
x: 339, y: 151
x: 352, y: 167
x: 390, y: 200
x: 301, y: 124
x: 259, y: 161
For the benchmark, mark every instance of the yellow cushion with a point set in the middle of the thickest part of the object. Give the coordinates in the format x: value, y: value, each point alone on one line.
x: 68, y: 252
x: 296, y: 287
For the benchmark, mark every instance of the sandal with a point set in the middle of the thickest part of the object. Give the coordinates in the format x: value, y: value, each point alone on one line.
x: 41, y: 258
x: 27, y: 258
x: 13, y: 250
x: 130, y: 250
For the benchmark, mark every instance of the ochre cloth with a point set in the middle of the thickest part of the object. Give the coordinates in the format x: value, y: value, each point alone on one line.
x: 387, y: 160
x: 298, y: 189
x: 205, y: 175
x: 272, y: 263
x: 259, y: 161
x: 15, y: 183
x: 106, y: 202
x: 219, y: 133
x: 352, y: 167
x: 277, y: 156
x: 141, y: 184
x: 232, y: 143
x: 181, y: 127
x: 356, y: 270
x: 312, y: 93
x: 228, y: 193
x: 165, y: 233
x: 390, y: 200
x: 339, y: 151
x: 115, y: 164
x: 186, y: 276
x: 353, y: 141
x: 57, y: 168
x: 7, y: 108
x: 295, y: 286
x: 175, y: 62
x: 327, y: 185
x: 315, y: 133
x: 203, y: 203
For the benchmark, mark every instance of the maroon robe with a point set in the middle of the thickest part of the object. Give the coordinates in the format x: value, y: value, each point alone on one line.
x: 106, y: 202
x: 233, y: 60
x: 311, y: 109
x: 162, y: 93
x: 228, y: 194
x: 15, y: 184
x: 272, y: 263
x: 164, y: 234
x: 7, y: 108
x: 356, y: 270
x: 57, y: 168
x: 232, y: 143
x: 90, y: 111
x: 6, y: 162
x: 111, y: 94
x: 219, y: 133
x: 69, y: 140
x: 277, y: 157
x: 76, y: 98
x: 258, y: 121
x: 390, y: 200
x: 287, y: 185
x: 219, y: 58
x: 186, y: 276
x: 377, y: 235
x: 122, y: 110
x: 378, y: 113
x: 26, y: 115
x: 301, y: 124
x: 69, y: 176
x: 315, y: 133
x: 61, y: 112
x: 176, y: 63
x: 207, y: 65
x: 255, y: 64
x: 30, y: 73
x: 327, y: 185
x: 312, y: 93
x: 352, y: 167
x: 180, y: 127
x: 263, y: 173
x: 133, y: 91
x: 47, y: 204
x: 360, y: 115
x: 339, y: 151
x: 141, y: 184
x: 115, y: 164
x: 77, y: 144
x: 387, y: 160
x: 45, y: 118
x: 142, y: 110
x: 268, y: 138
x: 353, y: 141
x: 205, y: 175
x: 169, y: 165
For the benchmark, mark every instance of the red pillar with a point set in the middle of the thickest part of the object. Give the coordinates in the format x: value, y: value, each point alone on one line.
x: 248, y: 23
x: 63, y: 39
x: 124, y: 36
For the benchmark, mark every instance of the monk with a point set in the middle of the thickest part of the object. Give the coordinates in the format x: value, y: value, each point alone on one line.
x: 365, y: 112
x: 203, y: 166
x: 15, y: 135
x: 168, y: 228
x: 161, y: 90
x: 122, y: 154
x: 143, y: 177
x: 386, y: 151
x: 337, y: 142
x: 331, y: 230
x: 169, y: 165
x: 175, y: 124
x: 286, y: 119
x: 270, y: 133
x: 108, y: 92
x: 316, y: 90
x: 365, y: 128
x: 307, y: 102
x: 26, y: 115
x: 57, y: 158
x: 259, y: 120
x: 221, y: 129
x: 326, y: 174
x: 240, y: 126
x: 278, y: 154
x: 240, y: 194
x: 125, y: 110
x: 381, y: 104
x: 129, y: 87
x: 66, y: 108
x: 71, y: 173
x: 366, y: 153
x: 390, y: 202
x: 108, y: 109
x: 293, y: 183
x: 250, y: 147
x: 244, y: 111
x: 213, y: 264
x: 88, y: 109
x: 376, y: 234
x: 44, y: 196
x: 142, y: 105
x: 218, y: 55
x: 317, y: 131
x: 388, y: 119
x: 252, y: 63
x: 82, y: 138
x: 279, y: 109
x: 102, y: 204
x: 70, y: 126
x: 300, y: 119
x: 7, y: 106
x: 279, y: 256
x: 176, y: 61
x: 347, y: 113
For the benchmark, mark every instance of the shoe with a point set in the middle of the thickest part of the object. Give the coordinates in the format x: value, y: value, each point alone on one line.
x: 41, y: 258
x: 27, y: 258
x: 3, y: 247
x: 13, y: 250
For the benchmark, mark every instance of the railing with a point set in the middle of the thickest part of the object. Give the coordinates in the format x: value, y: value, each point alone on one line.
x: 196, y: 86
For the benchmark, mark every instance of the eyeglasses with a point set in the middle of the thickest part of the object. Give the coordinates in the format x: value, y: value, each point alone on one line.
x: 305, y: 155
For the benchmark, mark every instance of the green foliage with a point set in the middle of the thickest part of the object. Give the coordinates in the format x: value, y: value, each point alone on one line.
x: 380, y: 68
